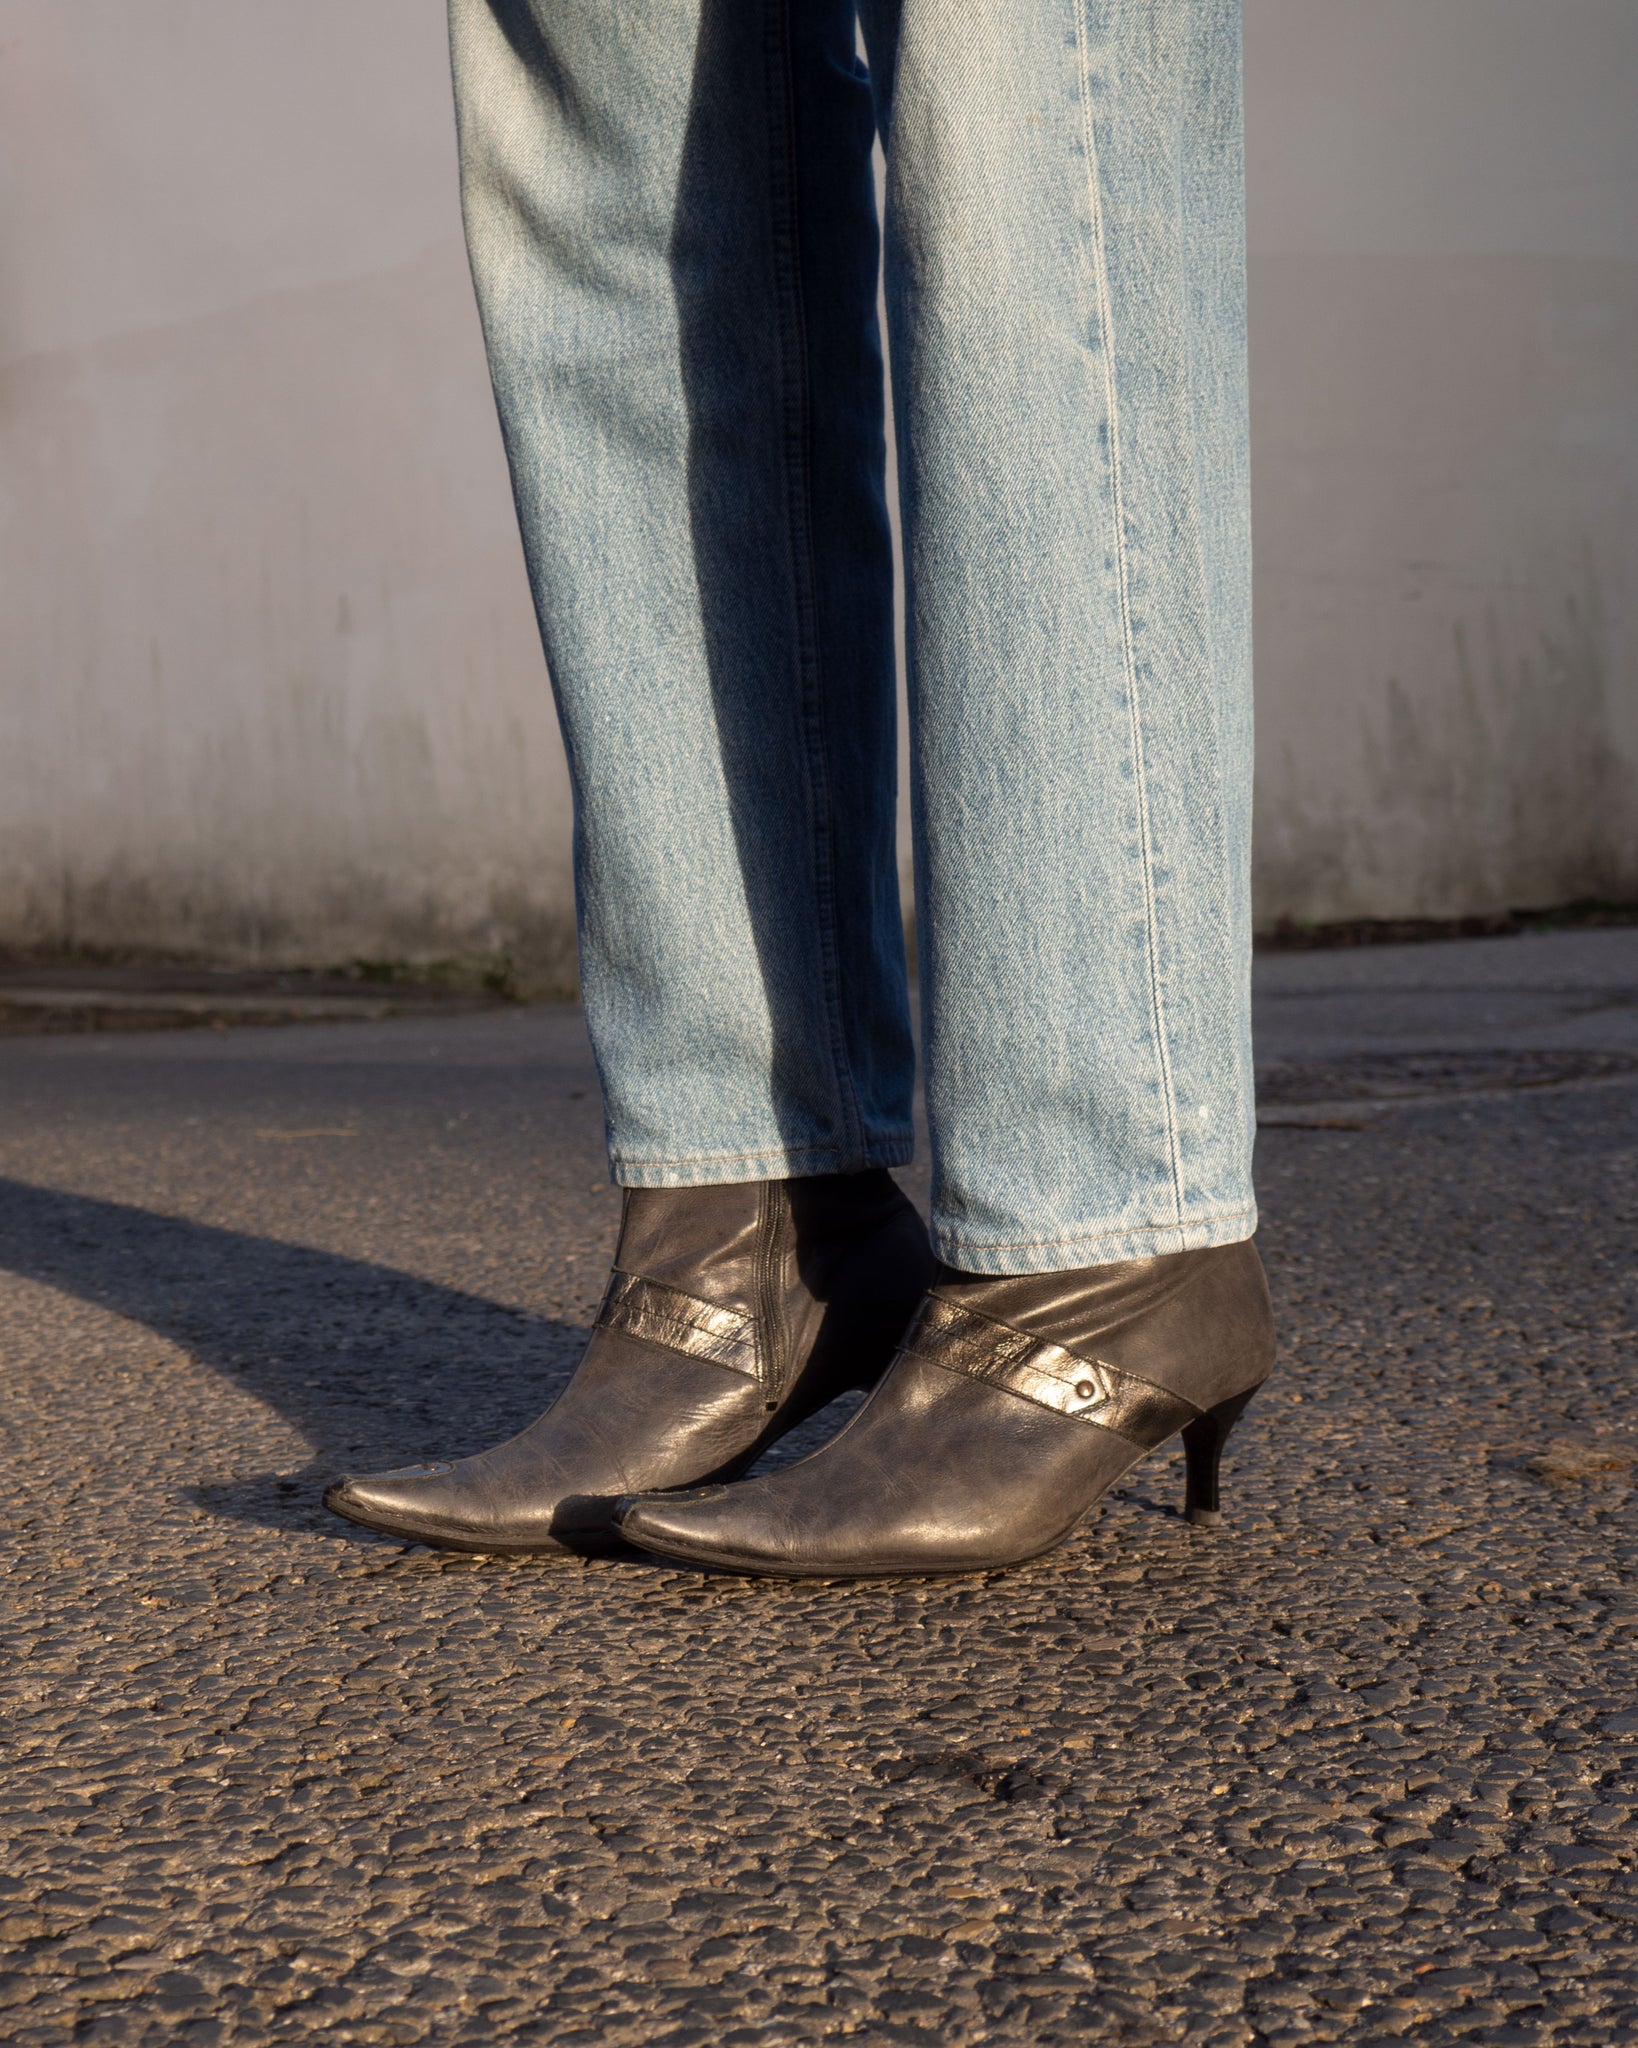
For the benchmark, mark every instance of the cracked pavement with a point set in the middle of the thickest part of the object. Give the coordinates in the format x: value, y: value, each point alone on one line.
x: 1358, y: 1768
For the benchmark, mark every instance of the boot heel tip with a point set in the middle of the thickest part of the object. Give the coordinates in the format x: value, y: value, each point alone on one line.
x: 1205, y: 1518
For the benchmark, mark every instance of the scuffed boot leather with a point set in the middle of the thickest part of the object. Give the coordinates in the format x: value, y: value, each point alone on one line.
x: 1011, y: 1407
x: 731, y: 1315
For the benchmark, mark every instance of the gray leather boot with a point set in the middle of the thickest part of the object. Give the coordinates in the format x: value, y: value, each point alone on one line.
x: 732, y: 1314
x: 1013, y: 1405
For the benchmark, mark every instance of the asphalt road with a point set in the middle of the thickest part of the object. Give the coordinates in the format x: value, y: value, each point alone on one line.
x: 1358, y: 1768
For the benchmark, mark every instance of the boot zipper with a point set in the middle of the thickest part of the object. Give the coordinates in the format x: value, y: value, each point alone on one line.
x: 770, y: 1348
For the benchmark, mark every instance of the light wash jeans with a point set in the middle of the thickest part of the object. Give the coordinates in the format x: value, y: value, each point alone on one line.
x: 671, y: 218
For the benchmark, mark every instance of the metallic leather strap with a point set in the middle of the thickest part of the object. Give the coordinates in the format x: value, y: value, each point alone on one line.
x: 1087, y: 1389
x: 680, y: 1322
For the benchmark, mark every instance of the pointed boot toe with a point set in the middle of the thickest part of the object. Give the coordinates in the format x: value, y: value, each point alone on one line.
x: 672, y: 1524
x: 730, y: 1528
x: 446, y: 1505
x: 398, y: 1493
x: 403, y: 1502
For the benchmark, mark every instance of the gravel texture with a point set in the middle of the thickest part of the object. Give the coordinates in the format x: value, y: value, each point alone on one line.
x: 1357, y: 1768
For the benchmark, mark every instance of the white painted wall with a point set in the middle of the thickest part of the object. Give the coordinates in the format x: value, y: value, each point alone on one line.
x: 270, y: 686
x: 1444, y: 274
x: 271, y: 682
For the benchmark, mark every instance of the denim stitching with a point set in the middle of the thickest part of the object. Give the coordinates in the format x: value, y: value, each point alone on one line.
x: 786, y: 232
x: 1100, y: 275
x: 900, y: 1148
x: 1041, y: 1244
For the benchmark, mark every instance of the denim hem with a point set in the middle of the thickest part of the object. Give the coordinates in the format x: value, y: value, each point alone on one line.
x: 891, y: 1148
x: 1094, y: 1248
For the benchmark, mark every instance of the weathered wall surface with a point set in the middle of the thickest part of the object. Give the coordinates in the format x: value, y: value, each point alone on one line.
x: 270, y: 684
x: 1444, y: 227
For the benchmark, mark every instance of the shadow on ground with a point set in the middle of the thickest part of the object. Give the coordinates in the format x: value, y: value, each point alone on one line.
x: 369, y: 1364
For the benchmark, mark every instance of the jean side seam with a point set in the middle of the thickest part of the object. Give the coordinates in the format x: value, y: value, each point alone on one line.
x: 795, y: 377
x: 1105, y: 314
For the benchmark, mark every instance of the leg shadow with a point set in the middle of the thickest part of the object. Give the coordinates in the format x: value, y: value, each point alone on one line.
x: 372, y: 1366
x: 773, y: 260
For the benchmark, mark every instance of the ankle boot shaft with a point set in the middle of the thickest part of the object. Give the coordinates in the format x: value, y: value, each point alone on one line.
x: 816, y: 1266
x: 1199, y: 1323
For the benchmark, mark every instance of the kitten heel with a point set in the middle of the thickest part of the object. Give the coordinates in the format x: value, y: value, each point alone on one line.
x: 1203, y: 1441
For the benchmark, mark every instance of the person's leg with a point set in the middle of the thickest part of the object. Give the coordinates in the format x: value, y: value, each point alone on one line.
x: 1066, y: 285
x: 1066, y: 290
x: 672, y: 229
x: 671, y: 221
